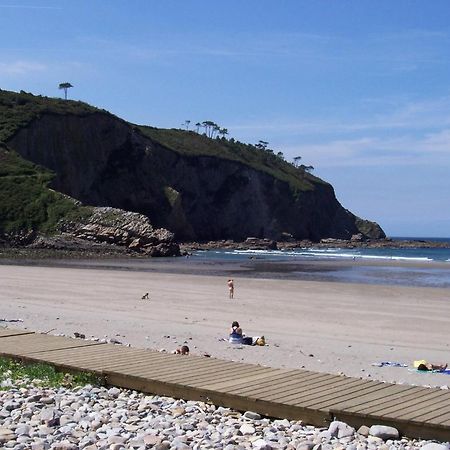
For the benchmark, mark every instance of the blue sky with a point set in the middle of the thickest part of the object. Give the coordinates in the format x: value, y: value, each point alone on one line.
x: 360, y: 89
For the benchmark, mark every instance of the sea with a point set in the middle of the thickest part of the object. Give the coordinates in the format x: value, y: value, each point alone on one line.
x: 421, y: 267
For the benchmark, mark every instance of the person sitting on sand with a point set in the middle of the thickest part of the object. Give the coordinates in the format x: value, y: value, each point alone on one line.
x: 231, y: 288
x: 145, y: 296
x: 184, y: 350
x: 235, y: 333
x: 426, y: 366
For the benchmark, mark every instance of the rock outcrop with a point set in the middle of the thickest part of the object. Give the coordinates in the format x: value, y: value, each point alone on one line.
x: 123, y: 229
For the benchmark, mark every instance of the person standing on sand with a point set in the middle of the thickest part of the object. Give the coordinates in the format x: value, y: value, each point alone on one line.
x: 231, y: 288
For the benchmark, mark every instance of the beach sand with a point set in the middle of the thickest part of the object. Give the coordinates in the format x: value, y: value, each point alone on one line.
x: 322, y: 326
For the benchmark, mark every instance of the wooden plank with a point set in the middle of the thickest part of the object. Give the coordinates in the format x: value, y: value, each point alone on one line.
x: 304, y: 393
x: 443, y: 420
x: 388, y: 401
x: 346, y: 394
x: 397, y: 403
x: 294, y: 389
x: 6, y: 332
x: 254, y: 377
x: 311, y: 387
x: 252, y: 390
x: 92, y: 359
x: 224, y: 377
x: 75, y: 353
x: 319, y: 390
x: 243, y: 378
x: 423, y: 407
x: 166, y: 372
x: 408, y: 406
x: 95, y: 361
x: 186, y: 369
x: 229, y: 371
x: 263, y: 385
x: 224, y: 385
x: 209, y: 374
x: 268, y: 378
x: 111, y: 364
x: 31, y: 339
x: 94, y: 353
x: 435, y: 416
x: 379, y: 398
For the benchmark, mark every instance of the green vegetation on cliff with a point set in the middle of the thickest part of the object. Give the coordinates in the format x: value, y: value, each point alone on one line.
x: 193, y: 144
x: 17, y: 110
x: 26, y: 203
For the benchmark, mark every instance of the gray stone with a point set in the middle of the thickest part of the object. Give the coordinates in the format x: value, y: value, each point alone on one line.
x: 114, y: 392
x: 64, y: 445
x: 308, y: 445
x: 363, y: 430
x: 340, y: 429
x: 434, y: 446
x: 178, y: 445
x: 252, y: 415
x: 383, y: 432
x: 246, y: 428
x: 261, y: 444
x: 23, y: 429
x: 116, y: 447
x: 6, y: 435
x: 325, y: 435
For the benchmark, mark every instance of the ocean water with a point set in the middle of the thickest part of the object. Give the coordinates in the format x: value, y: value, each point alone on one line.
x: 417, y: 266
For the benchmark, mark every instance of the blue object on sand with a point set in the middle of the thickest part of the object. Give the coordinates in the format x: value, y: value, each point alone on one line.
x: 389, y: 364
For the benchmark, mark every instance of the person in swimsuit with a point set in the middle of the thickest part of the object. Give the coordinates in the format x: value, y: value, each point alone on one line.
x: 231, y: 288
x: 425, y: 366
x: 235, y: 333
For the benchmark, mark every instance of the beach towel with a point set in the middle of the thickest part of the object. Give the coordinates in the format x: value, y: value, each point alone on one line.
x: 389, y: 364
x: 444, y: 372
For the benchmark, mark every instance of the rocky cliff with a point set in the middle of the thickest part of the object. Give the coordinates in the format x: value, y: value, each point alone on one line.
x: 199, y: 188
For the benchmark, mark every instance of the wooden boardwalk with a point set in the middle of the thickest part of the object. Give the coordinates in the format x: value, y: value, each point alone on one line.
x: 315, y: 398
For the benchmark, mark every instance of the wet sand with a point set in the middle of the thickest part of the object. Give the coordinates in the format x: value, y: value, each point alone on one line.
x: 319, y: 325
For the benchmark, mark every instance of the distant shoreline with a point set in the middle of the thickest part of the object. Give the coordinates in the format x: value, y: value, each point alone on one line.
x: 358, y: 271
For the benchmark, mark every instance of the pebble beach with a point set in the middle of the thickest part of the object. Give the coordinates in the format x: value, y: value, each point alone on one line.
x: 99, y: 418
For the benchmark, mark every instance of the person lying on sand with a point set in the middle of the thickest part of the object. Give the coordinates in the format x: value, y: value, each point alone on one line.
x: 424, y: 365
x: 184, y: 350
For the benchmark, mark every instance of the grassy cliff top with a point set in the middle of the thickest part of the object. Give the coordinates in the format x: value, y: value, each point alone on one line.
x: 17, y: 110
x: 191, y: 143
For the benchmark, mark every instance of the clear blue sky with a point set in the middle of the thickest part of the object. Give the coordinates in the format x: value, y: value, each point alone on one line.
x: 360, y: 89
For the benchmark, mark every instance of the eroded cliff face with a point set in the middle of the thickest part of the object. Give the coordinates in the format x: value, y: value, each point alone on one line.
x: 103, y: 161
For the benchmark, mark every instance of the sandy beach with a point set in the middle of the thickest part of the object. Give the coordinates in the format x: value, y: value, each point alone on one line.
x: 323, y: 326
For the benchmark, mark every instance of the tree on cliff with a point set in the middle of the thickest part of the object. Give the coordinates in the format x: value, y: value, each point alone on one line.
x: 297, y: 160
x: 65, y: 86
